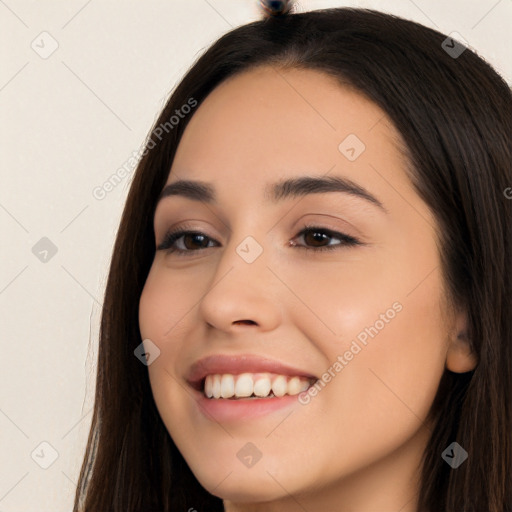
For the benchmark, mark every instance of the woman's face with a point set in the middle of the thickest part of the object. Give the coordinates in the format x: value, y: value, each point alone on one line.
x: 365, y: 317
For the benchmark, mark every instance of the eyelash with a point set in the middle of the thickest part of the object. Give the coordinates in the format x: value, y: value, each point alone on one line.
x: 172, y: 236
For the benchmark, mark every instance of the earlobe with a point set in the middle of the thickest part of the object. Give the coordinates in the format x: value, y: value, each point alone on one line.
x: 460, y: 357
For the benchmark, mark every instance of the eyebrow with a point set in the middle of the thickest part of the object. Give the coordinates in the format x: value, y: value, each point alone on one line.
x: 276, y: 192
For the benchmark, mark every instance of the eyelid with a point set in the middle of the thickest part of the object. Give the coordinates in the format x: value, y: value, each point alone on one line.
x: 182, y: 229
x: 335, y: 233
x: 336, y: 223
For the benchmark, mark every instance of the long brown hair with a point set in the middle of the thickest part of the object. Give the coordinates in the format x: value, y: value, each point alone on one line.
x: 454, y: 113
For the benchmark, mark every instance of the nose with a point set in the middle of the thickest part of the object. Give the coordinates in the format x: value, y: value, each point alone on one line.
x: 241, y: 293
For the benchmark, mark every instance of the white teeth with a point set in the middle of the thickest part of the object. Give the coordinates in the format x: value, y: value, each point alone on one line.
x: 305, y: 385
x: 262, y: 386
x: 294, y: 386
x: 208, y: 386
x: 216, y: 386
x: 246, y: 385
x: 227, y: 386
x: 279, y: 385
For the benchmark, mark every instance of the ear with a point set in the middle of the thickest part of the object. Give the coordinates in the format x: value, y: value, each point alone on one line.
x: 459, y: 357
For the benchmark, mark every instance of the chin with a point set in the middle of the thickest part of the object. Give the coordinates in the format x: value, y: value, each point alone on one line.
x: 248, y: 491
x: 242, y: 486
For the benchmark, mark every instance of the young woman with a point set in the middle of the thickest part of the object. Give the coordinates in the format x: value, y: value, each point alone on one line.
x: 309, y: 300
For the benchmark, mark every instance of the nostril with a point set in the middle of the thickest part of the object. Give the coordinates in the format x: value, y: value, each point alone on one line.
x: 249, y: 322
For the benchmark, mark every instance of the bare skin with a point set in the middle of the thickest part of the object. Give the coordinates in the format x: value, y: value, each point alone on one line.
x: 356, y: 445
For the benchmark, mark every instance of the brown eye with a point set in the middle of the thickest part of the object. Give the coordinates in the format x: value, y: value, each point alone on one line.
x: 195, y: 238
x: 191, y: 241
x: 315, y: 238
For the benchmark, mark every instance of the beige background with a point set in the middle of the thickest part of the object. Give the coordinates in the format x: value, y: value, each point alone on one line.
x: 69, y: 119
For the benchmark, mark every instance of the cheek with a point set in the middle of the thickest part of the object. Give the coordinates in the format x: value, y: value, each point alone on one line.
x: 158, y: 321
x: 152, y: 306
x: 165, y: 303
x: 163, y: 308
x: 393, y: 376
x: 166, y: 306
x: 386, y: 351
x: 168, y: 316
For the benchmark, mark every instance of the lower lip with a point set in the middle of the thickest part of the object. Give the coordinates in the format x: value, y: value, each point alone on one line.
x: 226, y: 410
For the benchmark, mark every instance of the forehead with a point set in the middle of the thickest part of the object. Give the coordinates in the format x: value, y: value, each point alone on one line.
x: 269, y: 123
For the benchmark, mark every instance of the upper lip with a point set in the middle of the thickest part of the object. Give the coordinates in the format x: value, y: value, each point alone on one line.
x: 236, y: 364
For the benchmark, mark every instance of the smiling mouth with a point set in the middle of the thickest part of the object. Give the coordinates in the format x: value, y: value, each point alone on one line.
x: 252, y: 386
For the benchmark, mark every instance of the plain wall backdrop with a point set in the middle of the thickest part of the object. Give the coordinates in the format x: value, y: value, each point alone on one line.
x: 81, y: 83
